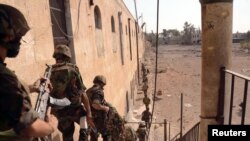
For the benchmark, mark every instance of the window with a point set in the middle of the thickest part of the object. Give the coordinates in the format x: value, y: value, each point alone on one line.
x: 98, y: 19
x: 112, y: 24
x: 91, y: 2
x: 58, y: 20
x: 126, y: 30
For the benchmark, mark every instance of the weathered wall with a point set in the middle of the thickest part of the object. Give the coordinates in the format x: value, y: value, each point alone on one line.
x: 39, y: 46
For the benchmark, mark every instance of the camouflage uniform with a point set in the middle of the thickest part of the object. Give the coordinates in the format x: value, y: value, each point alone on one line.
x: 67, y: 83
x: 145, y: 72
x: 130, y: 134
x: 96, y: 95
x: 16, y: 112
x: 13, y: 98
x: 141, y: 132
x: 114, y: 124
x: 145, y: 88
x: 146, y: 116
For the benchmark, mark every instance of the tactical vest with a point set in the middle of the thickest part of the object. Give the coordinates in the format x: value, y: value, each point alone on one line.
x: 67, y: 83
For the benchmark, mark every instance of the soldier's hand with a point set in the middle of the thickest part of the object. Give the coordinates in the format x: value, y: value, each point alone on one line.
x: 51, y: 119
x: 36, y: 85
x: 107, y: 109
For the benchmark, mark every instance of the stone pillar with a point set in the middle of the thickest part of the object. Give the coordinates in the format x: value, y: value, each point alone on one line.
x: 216, y: 52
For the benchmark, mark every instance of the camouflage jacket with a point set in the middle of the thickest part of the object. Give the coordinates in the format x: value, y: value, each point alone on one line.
x: 96, y: 95
x: 67, y: 82
x: 15, y: 104
x: 114, y: 123
x: 130, y: 134
x: 111, y: 121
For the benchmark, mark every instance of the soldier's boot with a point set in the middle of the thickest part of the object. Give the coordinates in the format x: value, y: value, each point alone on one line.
x: 83, y: 135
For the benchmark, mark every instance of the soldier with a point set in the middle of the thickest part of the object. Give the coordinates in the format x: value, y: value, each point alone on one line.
x: 114, y: 124
x: 146, y: 116
x: 68, y: 97
x: 143, y: 68
x: 145, y: 72
x: 145, y: 89
x: 141, y: 132
x: 18, y: 120
x: 145, y: 79
x: 99, y: 107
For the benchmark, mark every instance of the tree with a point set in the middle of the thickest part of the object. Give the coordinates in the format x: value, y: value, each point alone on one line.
x: 248, y: 35
x: 188, y: 29
x: 174, y: 32
x: 164, y: 32
x: 170, y: 33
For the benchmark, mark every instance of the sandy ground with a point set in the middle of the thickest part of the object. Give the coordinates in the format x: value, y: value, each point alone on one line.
x: 179, y: 71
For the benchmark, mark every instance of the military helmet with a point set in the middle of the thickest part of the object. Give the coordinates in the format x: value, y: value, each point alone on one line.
x: 12, y: 22
x: 100, y: 79
x: 62, y: 50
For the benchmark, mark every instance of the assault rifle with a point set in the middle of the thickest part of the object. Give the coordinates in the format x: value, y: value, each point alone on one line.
x: 43, y: 100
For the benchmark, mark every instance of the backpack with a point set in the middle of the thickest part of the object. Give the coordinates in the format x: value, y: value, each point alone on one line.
x: 67, y: 82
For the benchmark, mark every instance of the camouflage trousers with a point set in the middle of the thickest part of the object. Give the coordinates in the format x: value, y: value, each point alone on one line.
x: 66, y: 119
x: 101, y: 128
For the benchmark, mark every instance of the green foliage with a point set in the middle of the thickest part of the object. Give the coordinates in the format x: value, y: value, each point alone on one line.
x: 188, y: 29
x: 170, y: 32
x: 248, y: 35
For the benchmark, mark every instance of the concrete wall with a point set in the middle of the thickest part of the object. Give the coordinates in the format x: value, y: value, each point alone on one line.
x: 39, y: 46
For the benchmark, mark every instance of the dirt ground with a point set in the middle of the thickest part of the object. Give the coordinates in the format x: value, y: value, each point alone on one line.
x: 179, y: 71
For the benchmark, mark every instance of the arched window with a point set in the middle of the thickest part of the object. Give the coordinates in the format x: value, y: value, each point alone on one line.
x: 98, y: 18
x: 112, y: 24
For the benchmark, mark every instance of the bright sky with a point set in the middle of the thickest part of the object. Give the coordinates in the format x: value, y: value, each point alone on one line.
x: 174, y: 13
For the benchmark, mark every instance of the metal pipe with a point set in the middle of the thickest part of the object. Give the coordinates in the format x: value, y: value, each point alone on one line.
x: 238, y: 75
x: 244, y: 103
x: 169, y: 131
x: 156, y: 61
x: 231, y: 100
x: 181, y: 116
x: 137, y: 46
x: 165, y: 130
x: 140, y: 122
